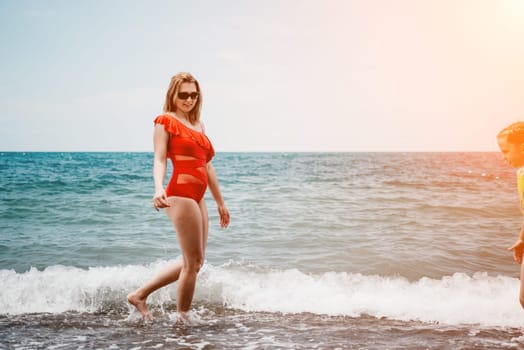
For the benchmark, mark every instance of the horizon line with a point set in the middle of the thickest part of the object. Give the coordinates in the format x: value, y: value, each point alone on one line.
x: 255, y: 151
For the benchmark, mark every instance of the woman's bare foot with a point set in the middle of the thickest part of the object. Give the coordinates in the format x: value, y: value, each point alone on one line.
x: 183, y: 318
x: 140, y: 304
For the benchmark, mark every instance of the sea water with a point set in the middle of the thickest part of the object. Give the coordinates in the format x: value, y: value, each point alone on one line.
x: 324, y: 251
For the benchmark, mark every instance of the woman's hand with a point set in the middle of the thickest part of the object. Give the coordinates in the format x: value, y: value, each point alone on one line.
x: 518, y: 250
x: 160, y: 200
x: 224, y: 215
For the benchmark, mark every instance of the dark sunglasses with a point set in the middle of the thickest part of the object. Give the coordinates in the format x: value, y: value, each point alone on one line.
x: 186, y: 95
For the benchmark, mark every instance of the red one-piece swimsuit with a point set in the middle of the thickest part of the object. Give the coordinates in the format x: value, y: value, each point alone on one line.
x: 189, y: 151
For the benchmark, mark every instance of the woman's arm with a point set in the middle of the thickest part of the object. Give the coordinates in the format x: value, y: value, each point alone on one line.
x: 518, y: 246
x: 217, y: 195
x: 160, y: 140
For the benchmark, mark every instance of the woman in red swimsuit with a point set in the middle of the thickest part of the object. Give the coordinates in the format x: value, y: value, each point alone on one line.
x: 179, y: 135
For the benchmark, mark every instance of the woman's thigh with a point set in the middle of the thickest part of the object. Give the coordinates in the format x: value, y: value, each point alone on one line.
x: 186, y: 216
x: 205, y: 223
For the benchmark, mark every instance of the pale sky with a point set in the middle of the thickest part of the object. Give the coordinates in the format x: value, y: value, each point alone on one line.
x: 287, y: 75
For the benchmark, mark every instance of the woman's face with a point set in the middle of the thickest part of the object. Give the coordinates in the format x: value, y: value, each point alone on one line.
x: 512, y: 152
x: 186, y: 98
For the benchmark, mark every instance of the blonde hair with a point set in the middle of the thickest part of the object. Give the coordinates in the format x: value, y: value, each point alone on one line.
x: 513, y: 133
x: 172, y: 91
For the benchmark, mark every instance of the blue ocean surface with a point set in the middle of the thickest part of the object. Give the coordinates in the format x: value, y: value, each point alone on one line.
x: 324, y: 250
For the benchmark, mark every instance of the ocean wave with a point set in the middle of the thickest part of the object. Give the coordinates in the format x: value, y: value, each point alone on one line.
x: 456, y: 299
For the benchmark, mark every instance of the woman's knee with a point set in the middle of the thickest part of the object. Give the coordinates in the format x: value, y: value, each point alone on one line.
x: 194, y: 263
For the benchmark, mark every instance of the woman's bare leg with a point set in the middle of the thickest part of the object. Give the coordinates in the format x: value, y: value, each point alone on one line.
x: 186, y: 216
x: 138, y: 298
x: 521, y: 293
x: 172, y: 272
x: 205, y: 225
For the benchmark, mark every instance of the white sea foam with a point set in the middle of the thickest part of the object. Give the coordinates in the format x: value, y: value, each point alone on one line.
x: 457, y: 299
